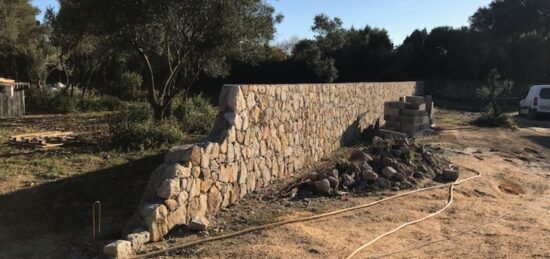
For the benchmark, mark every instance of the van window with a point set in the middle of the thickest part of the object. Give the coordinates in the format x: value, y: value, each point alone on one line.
x: 545, y: 93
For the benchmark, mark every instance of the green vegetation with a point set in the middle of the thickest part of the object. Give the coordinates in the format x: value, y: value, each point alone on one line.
x: 42, y: 101
x: 495, y: 116
x: 134, y: 128
x: 179, y: 48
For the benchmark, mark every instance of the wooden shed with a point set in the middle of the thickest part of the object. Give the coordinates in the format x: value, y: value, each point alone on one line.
x: 12, y: 98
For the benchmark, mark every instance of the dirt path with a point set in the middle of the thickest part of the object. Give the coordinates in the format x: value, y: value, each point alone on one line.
x: 503, y: 214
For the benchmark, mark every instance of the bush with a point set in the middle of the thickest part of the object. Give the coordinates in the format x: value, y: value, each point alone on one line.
x: 491, y: 119
x: 135, y: 129
x: 197, y: 115
x: 129, y: 85
x: 42, y: 101
x: 95, y: 102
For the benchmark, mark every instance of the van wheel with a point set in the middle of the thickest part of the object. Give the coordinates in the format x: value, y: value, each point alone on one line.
x: 519, y: 112
x: 532, y: 114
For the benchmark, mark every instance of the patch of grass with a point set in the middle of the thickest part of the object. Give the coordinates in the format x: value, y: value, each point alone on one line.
x: 452, y: 121
x: 24, y: 166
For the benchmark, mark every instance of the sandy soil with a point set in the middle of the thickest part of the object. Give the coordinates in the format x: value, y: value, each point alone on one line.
x: 503, y: 214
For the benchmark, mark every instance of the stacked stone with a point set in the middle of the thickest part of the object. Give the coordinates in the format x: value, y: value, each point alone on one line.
x: 411, y: 115
x: 262, y: 132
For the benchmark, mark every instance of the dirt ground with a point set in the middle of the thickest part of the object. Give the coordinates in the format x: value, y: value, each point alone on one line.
x: 503, y: 214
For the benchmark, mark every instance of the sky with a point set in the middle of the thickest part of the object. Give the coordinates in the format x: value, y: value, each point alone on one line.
x: 398, y: 17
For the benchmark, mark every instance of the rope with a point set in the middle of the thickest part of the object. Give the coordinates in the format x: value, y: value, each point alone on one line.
x: 303, y: 219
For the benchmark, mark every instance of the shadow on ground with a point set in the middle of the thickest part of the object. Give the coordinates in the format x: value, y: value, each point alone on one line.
x: 541, y: 126
x: 65, y: 206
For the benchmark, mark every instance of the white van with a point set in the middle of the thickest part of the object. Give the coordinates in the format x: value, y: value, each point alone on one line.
x: 536, y: 102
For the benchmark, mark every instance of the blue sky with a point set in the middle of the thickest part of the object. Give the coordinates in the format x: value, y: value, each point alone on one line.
x: 398, y: 17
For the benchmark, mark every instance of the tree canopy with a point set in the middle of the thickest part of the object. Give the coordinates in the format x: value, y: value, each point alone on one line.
x: 21, y: 40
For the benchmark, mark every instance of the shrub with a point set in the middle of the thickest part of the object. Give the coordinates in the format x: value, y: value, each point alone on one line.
x: 197, y: 115
x: 129, y: 85
x: 491, y: 119
x: 135, y: 129
x: 42, y: 101
x: 94, y: 102
x: 495, y: 116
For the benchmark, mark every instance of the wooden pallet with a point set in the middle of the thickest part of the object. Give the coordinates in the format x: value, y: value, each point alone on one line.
x: 47, y: 139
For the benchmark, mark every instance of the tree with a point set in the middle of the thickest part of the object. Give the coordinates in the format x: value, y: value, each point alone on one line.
x: 21, y: 41
x: 495, y: 87
x: 180, y: 40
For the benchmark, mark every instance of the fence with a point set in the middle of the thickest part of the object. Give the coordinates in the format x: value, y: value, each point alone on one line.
x: 12, y: 100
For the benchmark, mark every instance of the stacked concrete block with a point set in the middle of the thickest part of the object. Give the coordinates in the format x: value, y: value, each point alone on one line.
x: 263, y: 132
x: 410, y: 115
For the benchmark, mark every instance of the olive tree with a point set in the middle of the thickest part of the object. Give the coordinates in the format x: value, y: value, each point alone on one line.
x: 177, y: 41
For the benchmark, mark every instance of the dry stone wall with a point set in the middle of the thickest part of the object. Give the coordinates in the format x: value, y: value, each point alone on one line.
x: 262, y: 132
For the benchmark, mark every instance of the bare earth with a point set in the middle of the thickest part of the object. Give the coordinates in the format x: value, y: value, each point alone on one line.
x: 503, y: 214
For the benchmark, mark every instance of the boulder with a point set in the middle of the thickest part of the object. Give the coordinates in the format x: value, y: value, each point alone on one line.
x: 365, y: 166
x: 198, y: 223
x: 323, y: 186
x: 347, y: 180
x: 169, y: 188
x: 398, y: 177
x: 383, y: 183
x: 184, y: 153
x: 333, y: 182
x: 118, y: 249
x: 377, y: 141
x: 450, y: 175
x: 359, y: 156
x: 334, y: 173
x: 388, y: 172
x: 370, y: 176
x: 138, y: 239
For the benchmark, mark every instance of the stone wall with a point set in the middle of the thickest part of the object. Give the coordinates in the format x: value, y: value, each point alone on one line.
x: 262, y: 132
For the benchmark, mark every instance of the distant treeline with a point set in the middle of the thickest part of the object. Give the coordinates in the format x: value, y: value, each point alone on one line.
x: 86, y: 49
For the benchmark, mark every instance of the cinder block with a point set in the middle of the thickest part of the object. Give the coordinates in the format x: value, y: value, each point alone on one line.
x: 395, y: 118
x: 398, y: 105
x: 419, y: 107
x: 412, y: 119
x: 391, y: 111
x: 393, y: 125
x: 417, y: 100
x: 409, y: 112
x: 429, y: 104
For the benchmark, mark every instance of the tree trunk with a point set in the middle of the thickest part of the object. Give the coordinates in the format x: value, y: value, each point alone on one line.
x: 159, y: 112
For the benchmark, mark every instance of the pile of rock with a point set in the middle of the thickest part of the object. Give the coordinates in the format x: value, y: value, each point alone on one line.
x: 387, y: 164
x: 410, y: 115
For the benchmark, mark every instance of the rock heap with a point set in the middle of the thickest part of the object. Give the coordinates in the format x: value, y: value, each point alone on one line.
x: 387, y: 164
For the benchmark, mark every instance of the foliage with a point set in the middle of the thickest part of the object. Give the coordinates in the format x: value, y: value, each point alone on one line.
x: 40, y: 100
x: 21, y: 42
x: 177, y: 41
x: 494, y: 88
x: 196, y: 114
x: 135, y: 129
x: 489, y: 119
x: 495, y: 115
x: 129, y: 86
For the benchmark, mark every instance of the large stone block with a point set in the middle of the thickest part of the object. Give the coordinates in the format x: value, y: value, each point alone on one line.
x: 119, y: 249
x: 184, y: 153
